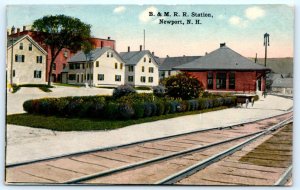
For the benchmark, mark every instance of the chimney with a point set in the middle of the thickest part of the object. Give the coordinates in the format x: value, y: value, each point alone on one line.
x: 101, y: 44
x: 206, y: 53
x: 141, y: 47
x: 128, y: 48
x: 24, y: 28
x: 167, y: 55
x: 153, y: 53
x: 222, y: 44
x: 18, y: 31
x: 12, y: 30
x: 108, y: 38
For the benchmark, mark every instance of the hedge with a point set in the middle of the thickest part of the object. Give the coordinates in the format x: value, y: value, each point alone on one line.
x: 127, y: 107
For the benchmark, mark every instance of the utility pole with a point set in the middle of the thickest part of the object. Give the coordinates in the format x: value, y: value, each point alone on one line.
x: 266, y: 44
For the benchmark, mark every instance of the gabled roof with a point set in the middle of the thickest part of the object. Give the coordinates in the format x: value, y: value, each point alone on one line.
x: 14, y: 40
x: 95, y: 54
x: 169, y: 62
x: 223, y: 58
x: 133, y: 57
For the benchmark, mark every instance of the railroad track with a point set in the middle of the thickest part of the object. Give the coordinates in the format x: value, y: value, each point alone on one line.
x: 139, y: 163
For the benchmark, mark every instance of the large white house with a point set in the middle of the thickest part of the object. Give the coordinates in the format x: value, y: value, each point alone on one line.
x: 102, y: 67
x: 141, y: 68
x: 25, y: 60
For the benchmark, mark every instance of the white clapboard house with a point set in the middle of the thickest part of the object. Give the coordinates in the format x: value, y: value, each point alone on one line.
x: 102, y: 67
x: 141, y: 68
x: 25, y: 60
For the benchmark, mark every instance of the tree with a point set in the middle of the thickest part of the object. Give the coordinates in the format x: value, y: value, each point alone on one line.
x: 59, y: 32
x: 183, y: 86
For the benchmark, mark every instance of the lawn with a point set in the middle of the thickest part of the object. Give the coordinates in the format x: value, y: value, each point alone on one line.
x: 84, y: 124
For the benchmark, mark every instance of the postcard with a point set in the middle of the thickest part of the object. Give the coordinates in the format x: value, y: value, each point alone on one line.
x: 183, y: 95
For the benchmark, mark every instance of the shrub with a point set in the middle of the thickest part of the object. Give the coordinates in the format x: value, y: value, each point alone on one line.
x: 167, y: 105
x: 159, y: 91
x: 183, y: 86
x: 147, y: 109
x: 256, y: 98
x: 111, y: 110
x: 139, y: 108
x: 131, y: 98
x: 174, y: 105
x: 160, y: 108
x: 193, y: 104
x: 142, y: 88
x: 123, y: 90
x: 126, y: 111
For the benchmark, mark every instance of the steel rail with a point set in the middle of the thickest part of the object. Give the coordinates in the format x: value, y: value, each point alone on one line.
x: 141, y: 142
x: 284, y: 177
x: 203, y: 164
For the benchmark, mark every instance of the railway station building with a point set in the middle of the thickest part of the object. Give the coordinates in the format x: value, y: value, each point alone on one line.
x: 224, y: 70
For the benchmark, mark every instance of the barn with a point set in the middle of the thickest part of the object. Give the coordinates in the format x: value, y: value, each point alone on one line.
x: 224, y: 70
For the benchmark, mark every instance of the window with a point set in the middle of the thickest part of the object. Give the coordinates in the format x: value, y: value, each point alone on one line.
x: 39, y: 59
x: 130, y: 68
x: 54, y: 66
x: 143, y: 79
x: 111, y: 54
x: 121, y: 66
x: 83, y: 65
x: 97, y: 63
x: 107, y: 55
x: 150, y: 79
x: 221, y: 80
x: 151, y: 69
x: 117, y: 77
x: 19, y: 58
x: 116, y: 65
x: 64, y: 66
x: 130, y: 78
x: 100, y: 76
x: 21, y: 46
x: 72, y: 76
x: 37, y: 74
x: 89, y: 76
x: 149, y: 60
x: 143, y: 68
x: 14, y: 73
x: 30, y: 47
x: 144, y: 59
x: 71, y: 66
x: 231, y: 80
x: 210, y: 80
x: 77, y: 66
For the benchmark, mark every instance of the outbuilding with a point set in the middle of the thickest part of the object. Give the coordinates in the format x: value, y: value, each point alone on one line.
x: 224, y: 70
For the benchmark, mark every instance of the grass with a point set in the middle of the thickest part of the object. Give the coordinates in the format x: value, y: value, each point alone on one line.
x: 43, y: 87
x: 84, y: 124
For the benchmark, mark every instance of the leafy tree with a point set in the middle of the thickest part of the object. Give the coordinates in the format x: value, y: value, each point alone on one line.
x: 183, y: 86
x: 61, y: 31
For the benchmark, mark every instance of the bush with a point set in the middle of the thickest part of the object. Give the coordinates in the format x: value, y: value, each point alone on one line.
x: 160, y: 108
x: 167, y: 105
x: 142, y: 88
x: 126, y: 111
x: 256, y: 98
x: 139, y: 108
x: 183, y: 86
x: 147, y: 109
x: 193, y: 104
x: 159, y: 91
x: 111, y: 110
x: 141, y: 97
x: 123, y: 90
x: 174, y: 105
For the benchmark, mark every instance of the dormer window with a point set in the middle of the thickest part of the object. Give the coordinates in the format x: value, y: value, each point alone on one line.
x: 21, y: 46
x: 144, y: 59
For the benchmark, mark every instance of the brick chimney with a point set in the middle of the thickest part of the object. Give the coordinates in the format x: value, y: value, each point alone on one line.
x: 18, y: 31
x: 222, y: 44
x: 128, y: 48
x: 108, y: 38
x: 24, y: 28
x: 13, y: 30
x: 141, y: 47
x: 153, y: 53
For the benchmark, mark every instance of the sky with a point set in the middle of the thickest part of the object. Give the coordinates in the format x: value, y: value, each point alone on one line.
x: 241, y: 27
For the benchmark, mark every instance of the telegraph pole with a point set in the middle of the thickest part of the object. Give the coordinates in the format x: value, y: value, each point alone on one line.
x: 266, y: 44
x: 255, y: 60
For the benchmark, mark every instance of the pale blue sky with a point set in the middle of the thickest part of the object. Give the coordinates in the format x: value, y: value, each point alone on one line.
x: 240, y: 26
